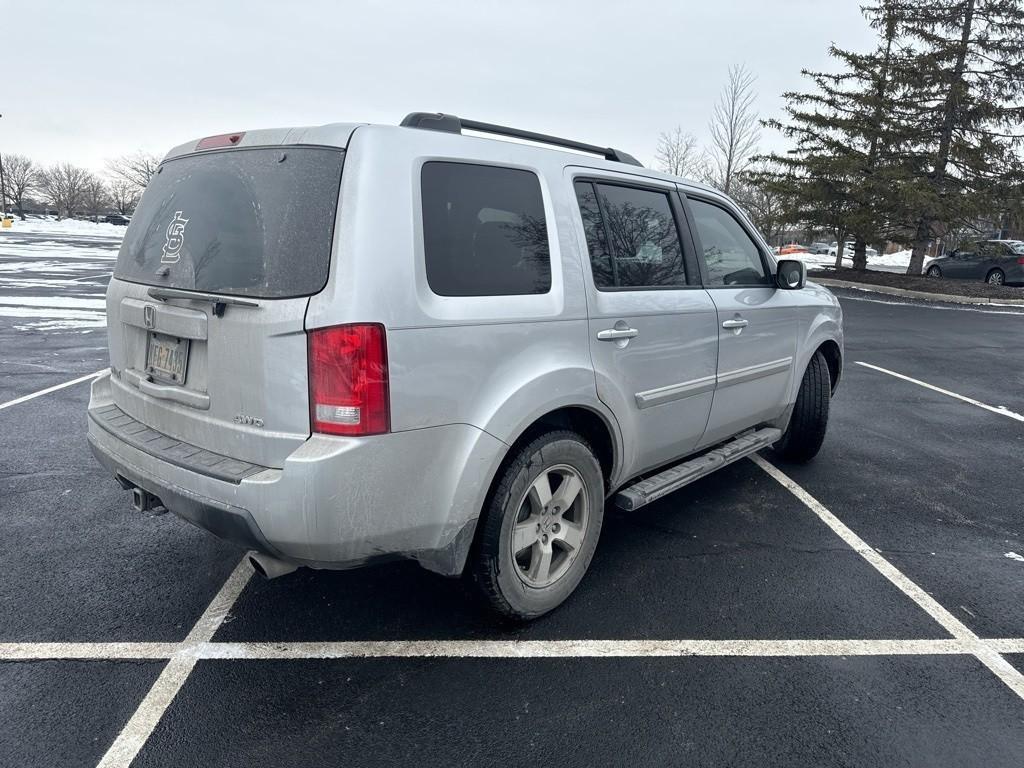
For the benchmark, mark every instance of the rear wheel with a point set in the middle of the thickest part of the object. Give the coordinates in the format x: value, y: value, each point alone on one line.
x: 995, y: 277
x: 540, y: 528
x: 934, y: 271
x: 806, y: 431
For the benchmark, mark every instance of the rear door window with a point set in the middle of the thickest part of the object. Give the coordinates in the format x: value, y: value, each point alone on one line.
x: 484, y: 231
x: 248, y: 222
x: 632, y: 237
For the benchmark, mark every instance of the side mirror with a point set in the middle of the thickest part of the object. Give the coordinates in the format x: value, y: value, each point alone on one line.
x: 791, y: 275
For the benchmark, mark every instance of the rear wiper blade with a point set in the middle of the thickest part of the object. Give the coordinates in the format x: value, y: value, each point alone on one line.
x: 219, y: 302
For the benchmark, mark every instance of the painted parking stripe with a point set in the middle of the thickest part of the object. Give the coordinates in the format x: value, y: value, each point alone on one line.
x: 568, y: 649
x: 496, y: 649
x: 48, y: 390
x: 984, y: 653
x: 993, y: 408
x: 133, y: 736
x: 924, y: 304
x: 129, y: 651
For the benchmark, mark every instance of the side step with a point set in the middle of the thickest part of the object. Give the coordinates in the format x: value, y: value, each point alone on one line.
x: 675, y: 477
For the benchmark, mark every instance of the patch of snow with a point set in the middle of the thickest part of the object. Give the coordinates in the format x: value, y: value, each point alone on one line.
x: 64, y: 227
x: 82, y: 326
x: 53, y: 312
x: 883, y: 262
x: 55, y: 302
x: 1014, y: 556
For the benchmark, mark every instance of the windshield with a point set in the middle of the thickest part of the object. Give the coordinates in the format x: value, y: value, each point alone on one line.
x: 250, y: 222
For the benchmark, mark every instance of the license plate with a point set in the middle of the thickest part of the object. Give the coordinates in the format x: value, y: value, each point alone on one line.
x: 167, y: 358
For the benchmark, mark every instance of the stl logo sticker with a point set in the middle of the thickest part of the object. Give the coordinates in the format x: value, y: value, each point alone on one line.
x: 175, y: 239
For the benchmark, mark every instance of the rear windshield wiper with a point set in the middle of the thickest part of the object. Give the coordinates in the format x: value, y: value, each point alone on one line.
x: 219, y: 302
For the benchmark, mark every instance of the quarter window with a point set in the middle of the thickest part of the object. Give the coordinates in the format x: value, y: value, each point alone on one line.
x: 484, y: 231
x: 731, y: 256
x: 632, y: 237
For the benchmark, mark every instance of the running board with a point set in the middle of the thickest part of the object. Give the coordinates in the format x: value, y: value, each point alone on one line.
x: 675, y: 477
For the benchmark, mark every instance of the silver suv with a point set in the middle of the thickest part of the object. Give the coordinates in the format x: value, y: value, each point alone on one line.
x: 348, y: 343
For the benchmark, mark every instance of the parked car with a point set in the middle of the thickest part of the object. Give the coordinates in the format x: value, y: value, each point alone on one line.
x: 997, y: 262
x: 819, y: 249
x: 792, y: 248
x: 350, y: 343
x: 848, y: 247
x: 118, y: 219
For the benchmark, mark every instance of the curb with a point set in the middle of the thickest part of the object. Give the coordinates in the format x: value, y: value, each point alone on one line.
x: 946, y: 297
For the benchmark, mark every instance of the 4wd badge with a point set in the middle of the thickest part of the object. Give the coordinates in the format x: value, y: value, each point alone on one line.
x: 175, y: 239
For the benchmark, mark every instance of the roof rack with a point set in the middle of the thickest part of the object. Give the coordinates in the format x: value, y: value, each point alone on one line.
x: 438, y: 121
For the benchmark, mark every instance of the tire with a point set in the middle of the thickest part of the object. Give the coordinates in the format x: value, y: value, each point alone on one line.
x: 934, y: 271
x: 995, y: 277
x: 515, y: 584
x: 806, y: 431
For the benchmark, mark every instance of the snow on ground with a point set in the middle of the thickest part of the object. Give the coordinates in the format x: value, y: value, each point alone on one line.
x: 883, y: 262
x: 53, y: 274
x: 49, y: 225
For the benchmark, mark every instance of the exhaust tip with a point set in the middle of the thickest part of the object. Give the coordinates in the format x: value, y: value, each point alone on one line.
x: 269, y: 567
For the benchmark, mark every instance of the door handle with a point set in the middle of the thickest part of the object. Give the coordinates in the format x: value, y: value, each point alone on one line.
x: 614, y: 334
x: 739, y: 322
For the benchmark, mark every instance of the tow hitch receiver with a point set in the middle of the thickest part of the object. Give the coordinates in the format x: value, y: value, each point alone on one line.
x: 144, y: 501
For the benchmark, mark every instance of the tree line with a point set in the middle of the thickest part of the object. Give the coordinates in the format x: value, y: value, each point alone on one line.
x: 918, y: 139
x: 71, y: 190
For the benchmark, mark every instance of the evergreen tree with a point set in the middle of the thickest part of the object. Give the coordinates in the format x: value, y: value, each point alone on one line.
x: 838, y: 174
x: 966, y: 107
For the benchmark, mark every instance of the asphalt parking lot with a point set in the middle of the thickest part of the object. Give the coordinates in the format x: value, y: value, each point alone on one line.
x: 865, y: 609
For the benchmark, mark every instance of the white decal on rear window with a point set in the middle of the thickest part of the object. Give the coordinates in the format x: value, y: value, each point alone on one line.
x: 175, y: 239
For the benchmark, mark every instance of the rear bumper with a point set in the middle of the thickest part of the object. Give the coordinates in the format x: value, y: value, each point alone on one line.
x: 336, y: 503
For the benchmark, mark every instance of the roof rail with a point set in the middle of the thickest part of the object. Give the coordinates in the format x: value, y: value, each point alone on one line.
x: 438, y: 121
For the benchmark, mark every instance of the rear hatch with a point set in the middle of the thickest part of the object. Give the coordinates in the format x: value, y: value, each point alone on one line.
x: 207, y: 308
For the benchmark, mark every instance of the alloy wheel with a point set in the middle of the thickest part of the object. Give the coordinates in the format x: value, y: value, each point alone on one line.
x: 550, y: 526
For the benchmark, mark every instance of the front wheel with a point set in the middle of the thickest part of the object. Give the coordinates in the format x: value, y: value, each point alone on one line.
x: 806, y: 431
x: 934, y: 271
x: 540, y: 528
x: 995, y: 277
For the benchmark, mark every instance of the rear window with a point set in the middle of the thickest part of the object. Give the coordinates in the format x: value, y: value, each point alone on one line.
x: 247, y: 222
x: 484, y: 231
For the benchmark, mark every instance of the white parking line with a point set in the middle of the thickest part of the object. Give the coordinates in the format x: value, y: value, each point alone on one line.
x: 138, y: 729
x: 924, y: 304
x: 87, y: 651
x: 985, y: 653
x: 48, y: 390
x: 994, y: 408
x: 569, y: 649
x: 193, y: 651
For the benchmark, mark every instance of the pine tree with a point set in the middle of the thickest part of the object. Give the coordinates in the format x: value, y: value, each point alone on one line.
x: 966, y: 107
x: 838, y: 174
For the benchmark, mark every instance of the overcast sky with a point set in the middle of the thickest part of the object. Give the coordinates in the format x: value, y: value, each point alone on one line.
x: 87, y: 80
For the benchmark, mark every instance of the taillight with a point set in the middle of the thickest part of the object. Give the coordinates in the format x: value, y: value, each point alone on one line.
x: 1020, y: 259
x: 348, y: 380
x: 223, y: 140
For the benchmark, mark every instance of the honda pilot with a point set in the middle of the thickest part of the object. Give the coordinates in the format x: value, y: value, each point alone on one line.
x: 351, y: 343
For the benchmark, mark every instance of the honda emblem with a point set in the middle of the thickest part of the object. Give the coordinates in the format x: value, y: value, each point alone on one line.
x: 149, y: 315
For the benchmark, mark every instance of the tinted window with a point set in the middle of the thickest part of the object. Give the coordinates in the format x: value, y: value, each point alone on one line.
x: 597, y: 242
x: 731, y: 256
x: 253, y: 222
x: 631, y: 237
x: 484, y: 231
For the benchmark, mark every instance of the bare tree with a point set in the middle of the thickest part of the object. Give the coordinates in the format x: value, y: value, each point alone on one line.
x: 124, y: 195
x: 136, y: 169
x: 764, y: 206
x: 677, y: 152
x: 20, y: 177
x: 63, y: 186
x: 734, y: 128
x: 95, y: 196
